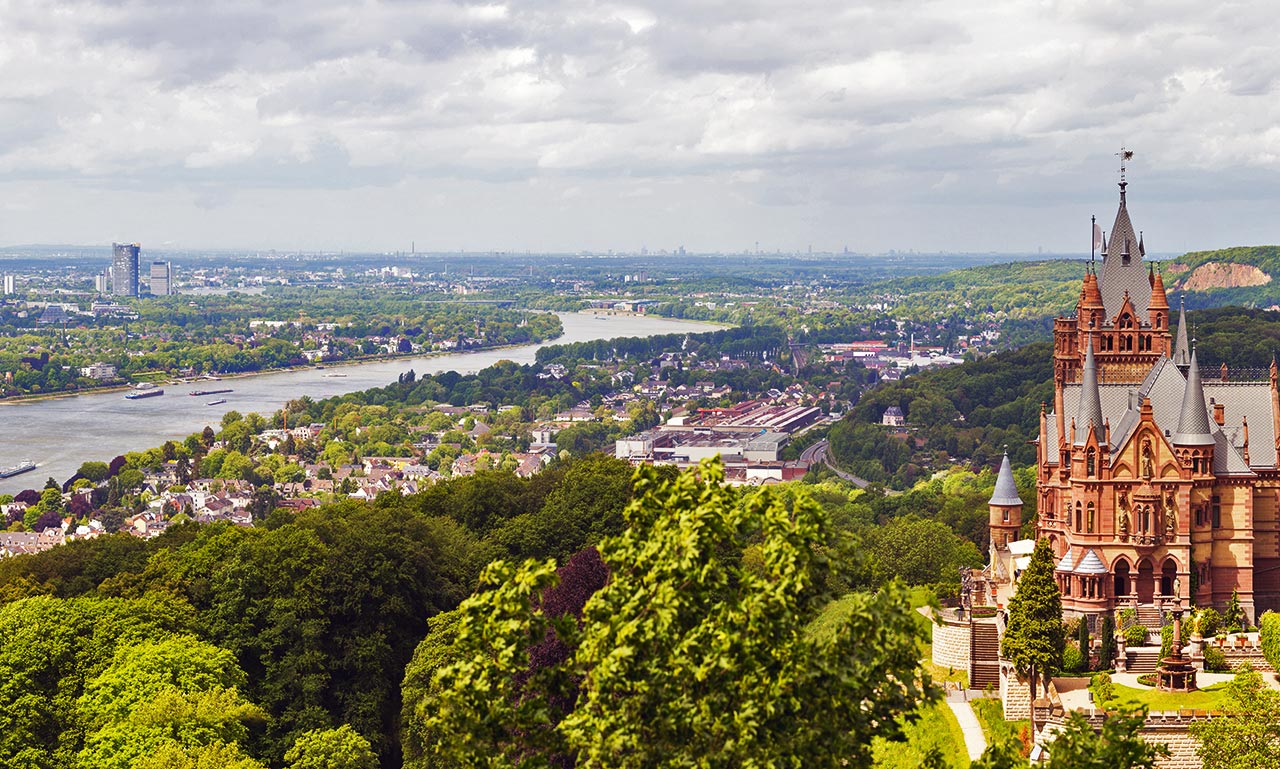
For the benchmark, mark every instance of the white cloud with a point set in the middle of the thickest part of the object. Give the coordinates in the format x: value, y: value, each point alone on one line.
x: 736, y: 115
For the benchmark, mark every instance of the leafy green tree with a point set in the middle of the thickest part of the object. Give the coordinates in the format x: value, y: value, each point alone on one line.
x: 174, y: 691
x: 1247, y: 734
x: 1035, y: 637
x: 171, y: 755
x: 50, y: 648
x: 1116, y: 746
x: 1269, y: 636
x: 686, y: 656
x: 918, y: 551
x: 421, y: 687
x: 341, y: 748
x: 94, y: 471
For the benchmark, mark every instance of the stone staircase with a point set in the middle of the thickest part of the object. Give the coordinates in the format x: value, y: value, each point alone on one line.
x: 1143, y: 659
x: 984, y: 655
x: 1150, y: 618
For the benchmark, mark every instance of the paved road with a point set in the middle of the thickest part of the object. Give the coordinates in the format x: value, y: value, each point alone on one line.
x: 817, y: 454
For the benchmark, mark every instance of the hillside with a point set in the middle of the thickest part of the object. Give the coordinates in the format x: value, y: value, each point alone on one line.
x: 1023, y: 296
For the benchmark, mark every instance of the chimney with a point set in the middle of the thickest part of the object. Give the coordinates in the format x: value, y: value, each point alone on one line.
x: 1219, y: 413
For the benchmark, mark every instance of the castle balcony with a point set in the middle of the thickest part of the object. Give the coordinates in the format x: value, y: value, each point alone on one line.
x: 1145, y: 543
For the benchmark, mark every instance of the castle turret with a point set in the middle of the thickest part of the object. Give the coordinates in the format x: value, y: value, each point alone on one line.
x: 1005, y: 508
x: 1090, y: 413
x: 1158, y: 313
x: 1193, y: 440
x: 1181, y: 349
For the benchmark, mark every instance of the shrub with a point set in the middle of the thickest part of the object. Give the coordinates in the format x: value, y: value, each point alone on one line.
x: 1129, y: 614
x: 1135, y: 635
x: 1214, y: 660
x: 1103, y: 691
x: 1269, y: 626
x: 983, y: 612
x: 1148, y: 679
x: 1072, y: 626
x: 1210, y: 622
x: 1072, y: 659
x: 1166, y: 641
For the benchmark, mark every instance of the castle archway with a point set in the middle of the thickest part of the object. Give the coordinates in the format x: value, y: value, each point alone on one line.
x: 1146, y: 585
x: 1122, y: 578
x: 1168, y: 573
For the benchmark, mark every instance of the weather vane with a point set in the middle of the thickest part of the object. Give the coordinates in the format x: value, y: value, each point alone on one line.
x: 1124, y: 155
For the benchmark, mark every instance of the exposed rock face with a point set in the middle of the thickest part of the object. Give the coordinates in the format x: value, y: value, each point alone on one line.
x: 1223, y: 275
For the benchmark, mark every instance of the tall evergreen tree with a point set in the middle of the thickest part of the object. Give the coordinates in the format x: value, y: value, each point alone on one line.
x: 1082, y: 640
x: 1107, y: 642
x: 1035, y: 636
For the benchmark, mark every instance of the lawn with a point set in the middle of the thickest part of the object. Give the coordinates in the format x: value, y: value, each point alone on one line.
x: 936, y: 728
x: 1208, y: 698
x: 990, y: 713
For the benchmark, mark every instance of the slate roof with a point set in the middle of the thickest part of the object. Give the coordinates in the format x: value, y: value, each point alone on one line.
x: 1066, y: 564
x: 1090, y: 405
x: 1193, y: 421
x: 1006, y: 492
x: 1181, y: 349
x: 1091, y: 564
x: 1166, y: 386
x: 1120, y: 275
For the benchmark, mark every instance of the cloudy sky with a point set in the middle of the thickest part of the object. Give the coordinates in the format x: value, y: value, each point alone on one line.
x: 549, y: 125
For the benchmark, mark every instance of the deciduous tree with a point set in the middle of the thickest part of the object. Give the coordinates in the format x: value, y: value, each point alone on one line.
x: 686, y: 657
x: 1247, y: 734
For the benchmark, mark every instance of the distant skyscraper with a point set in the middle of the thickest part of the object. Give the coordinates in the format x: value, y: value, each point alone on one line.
x: 161, y: 278
x: 8, y: 284
x: 124, y: 269
x: 102, y: 281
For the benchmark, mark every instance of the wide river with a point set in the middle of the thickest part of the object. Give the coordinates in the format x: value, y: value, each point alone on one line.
x: 62, y: 433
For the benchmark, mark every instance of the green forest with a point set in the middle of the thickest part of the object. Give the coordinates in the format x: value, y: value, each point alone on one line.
x: 337, y: 635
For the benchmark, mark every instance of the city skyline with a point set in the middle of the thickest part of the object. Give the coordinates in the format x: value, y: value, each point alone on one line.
x: 567, y: 127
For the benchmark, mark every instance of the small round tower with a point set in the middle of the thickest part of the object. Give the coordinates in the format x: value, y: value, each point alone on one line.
x: 1005, y: 508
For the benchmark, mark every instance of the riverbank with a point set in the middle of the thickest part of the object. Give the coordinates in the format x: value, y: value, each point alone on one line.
x: 60, y: 433
x: 126, y: 387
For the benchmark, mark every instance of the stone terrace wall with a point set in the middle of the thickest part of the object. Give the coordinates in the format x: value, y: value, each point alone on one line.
x: 951, y: 644
x: 1168, y: 728
x: 1014, y: 694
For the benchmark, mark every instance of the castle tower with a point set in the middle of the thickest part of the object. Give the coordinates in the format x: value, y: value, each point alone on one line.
x: 1005, y: 508
x: 1193, y: 440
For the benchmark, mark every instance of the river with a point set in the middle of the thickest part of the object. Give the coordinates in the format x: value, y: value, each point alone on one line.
x: 60, y: 434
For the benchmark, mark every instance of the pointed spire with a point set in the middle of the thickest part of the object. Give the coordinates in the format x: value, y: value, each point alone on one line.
x: 1006, y: 492
x: 1090, y: 413
x: 1193, y: 423
x: 1159, y: 300
x: 1181, y: 349
x: 1092, y: 296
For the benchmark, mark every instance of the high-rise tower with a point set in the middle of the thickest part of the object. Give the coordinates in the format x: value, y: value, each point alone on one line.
x: 124, y: 269
x: 161, y: 278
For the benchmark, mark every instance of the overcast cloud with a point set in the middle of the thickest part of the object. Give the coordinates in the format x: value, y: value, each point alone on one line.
x: 553, y: 125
